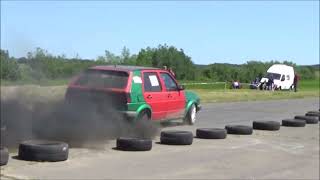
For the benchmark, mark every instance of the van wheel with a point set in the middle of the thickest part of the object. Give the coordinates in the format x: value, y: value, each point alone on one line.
x: 191, y: 115
x: 280, y: 88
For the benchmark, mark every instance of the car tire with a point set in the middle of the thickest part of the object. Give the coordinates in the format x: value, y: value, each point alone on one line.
x: 134, y: 144
x: 266, y: 125
x: 42, y: 150
x: 211, y: 133
x: 293, y: 123
x: 239, y: 129
x: 176, y: 137
x: 308, y: 119
x: 144, y: 116
x: 190, y: 118
x: 4, y: 156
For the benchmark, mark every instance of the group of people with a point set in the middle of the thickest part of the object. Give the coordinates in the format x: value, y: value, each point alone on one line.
x: 236, y: 84
x: 269, y: 85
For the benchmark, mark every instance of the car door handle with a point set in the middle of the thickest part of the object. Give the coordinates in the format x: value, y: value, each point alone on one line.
x: 169, y: 95
x: 149, y: 97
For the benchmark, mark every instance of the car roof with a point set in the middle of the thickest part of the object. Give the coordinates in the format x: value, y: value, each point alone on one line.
x: 121, y: 67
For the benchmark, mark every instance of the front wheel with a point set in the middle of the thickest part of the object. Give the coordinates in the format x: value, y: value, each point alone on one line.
x: 191, y: 115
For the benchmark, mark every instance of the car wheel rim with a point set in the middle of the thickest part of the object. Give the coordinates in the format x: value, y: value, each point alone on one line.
x: 193, y: 114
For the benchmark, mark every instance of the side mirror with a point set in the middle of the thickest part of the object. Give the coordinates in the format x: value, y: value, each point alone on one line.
x: 180, y: 87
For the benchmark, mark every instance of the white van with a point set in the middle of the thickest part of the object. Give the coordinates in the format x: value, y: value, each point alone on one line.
x: 282, y: 74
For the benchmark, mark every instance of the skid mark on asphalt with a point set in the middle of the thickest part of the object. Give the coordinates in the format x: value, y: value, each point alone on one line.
x: 251, y: 142
x: 292, y: 148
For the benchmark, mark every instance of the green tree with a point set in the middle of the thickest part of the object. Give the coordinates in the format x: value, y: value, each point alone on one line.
x: 9, y: 67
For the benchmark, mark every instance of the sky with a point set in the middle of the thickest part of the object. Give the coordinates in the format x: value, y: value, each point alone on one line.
x: 207, y: 31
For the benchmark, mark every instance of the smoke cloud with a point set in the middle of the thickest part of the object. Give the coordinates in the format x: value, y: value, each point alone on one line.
x: 77, y: 124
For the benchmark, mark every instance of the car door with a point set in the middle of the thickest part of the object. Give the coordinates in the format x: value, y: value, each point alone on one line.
x: 176, y: 100
x: 154, y: 95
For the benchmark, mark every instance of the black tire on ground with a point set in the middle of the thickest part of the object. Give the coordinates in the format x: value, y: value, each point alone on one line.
x: 211, y: 133
x: 293, y: 123
x: 2, y: 136
x: 176, y: 137
x: 4, y: 156
x: 308, y: 119
x: 239, y: 129
x: 313, y: 113
x: 134, y: 144
x: 266, y: 125
x: 317, y: 112
x: 42, y: 150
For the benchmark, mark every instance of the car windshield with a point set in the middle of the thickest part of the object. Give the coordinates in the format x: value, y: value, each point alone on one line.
x: 273, y: 75
x: 103, y: 79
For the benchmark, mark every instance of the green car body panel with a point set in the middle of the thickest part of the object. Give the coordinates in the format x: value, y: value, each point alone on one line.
x: 138, y: 103
x: 192, y: 98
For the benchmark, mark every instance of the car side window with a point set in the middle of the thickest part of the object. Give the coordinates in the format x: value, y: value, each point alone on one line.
x: 282, y: 78
x: 169, y: 82
x: 288, y: 77
x: 151, y: 82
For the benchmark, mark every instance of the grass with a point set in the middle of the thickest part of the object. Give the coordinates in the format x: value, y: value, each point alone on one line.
x: 303, y: 84
x: 207, y: 93
x: 310, y: 84
x: 306, y: 88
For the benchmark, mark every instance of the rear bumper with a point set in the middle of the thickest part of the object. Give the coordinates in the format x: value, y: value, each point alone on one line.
x: 129, y: 114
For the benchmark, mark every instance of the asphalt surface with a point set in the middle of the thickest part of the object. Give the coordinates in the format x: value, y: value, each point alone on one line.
x: 291, y: 153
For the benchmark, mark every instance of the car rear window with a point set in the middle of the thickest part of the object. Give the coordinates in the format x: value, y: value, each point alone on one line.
x: 103, y: 79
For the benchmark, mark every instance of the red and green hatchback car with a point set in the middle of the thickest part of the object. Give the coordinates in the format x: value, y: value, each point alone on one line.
x: 137, y: 92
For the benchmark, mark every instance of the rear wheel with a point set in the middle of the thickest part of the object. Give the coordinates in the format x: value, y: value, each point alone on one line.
x: 191, y: 115
x: 144, y: 116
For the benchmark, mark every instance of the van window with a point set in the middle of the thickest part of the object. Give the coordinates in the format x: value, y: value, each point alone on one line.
x: 283, y: 78
x: 103, y: 79
x: 288, y: 77
x: 274, y: 75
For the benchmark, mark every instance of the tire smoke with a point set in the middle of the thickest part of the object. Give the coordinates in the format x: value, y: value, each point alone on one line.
x: 77, y: 124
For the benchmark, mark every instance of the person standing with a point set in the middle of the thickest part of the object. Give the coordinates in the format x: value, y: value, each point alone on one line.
x: 295, y: 82
x: 271, y: 83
